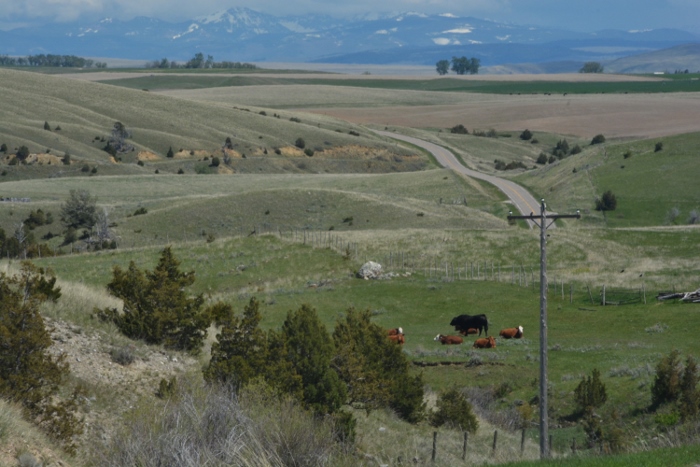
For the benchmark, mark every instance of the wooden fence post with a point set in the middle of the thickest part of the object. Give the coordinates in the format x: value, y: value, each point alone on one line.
x: 522, y: 442
x: 434, y: 454
x: 464, y: 446
x: 495, y: 439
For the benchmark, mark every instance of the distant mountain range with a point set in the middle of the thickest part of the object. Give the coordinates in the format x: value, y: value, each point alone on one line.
x: 241, y: 34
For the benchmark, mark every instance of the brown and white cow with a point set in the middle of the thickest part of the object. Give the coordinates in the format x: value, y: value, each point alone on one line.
x: 395, y: 331
x: 451, y: 340
x: 511, y: 333
x: 485, y: 343
x: 469, y: 331
x: 398, y: 338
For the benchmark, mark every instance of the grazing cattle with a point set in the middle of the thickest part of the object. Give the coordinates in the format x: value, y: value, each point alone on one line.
x: 465, y: 322
x: 511, y: 333
x: 395, y: 331
x: 448, y: 339
x: 485, y: 343
x: 398, y: 338
x: 469, y: 331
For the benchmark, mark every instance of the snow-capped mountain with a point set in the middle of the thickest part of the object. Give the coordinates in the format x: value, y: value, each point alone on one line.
x: 241, y: 34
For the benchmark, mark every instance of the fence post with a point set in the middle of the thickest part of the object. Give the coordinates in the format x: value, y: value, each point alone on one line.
x: 464, y: 446
x: 522, y: 442
x: 573, y: 446
x: 495, y: 439
x: 550, y: 444
x: 603, y: 294
x: 434, y: 454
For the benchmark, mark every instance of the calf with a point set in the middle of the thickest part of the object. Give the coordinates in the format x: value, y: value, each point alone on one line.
x: 485, y: 343
x: 469, y: 331
x: 511, y: 333
x: 395, y: 331
x: 448, y: 339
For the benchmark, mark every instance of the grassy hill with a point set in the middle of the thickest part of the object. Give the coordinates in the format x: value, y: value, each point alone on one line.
x: 292, y: 235
x: 81, y: 117
x: 679, y: 58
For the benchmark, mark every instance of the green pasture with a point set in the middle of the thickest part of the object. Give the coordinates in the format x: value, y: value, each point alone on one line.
x: 682, y: 456
x: 201, y: 81
x: 623, y: 342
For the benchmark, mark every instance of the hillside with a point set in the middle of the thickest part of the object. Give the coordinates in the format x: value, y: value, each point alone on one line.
x: 81, y: 116
x: 669, y: 60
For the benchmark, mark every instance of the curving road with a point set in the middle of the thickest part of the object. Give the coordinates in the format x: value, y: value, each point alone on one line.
x: 523, y: 201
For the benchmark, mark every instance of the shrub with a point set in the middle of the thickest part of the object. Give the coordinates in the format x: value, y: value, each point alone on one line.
x: 459, y: 130
x: 47, y: 126
x: 215, y: 161
x: 542, y: 158
x: 139, y: 163
x: 526, y: 135
x: 295, y: 119
x: 598, y: 139
x: 590, y: 392
x: 180, y: 171
x: 300, y: 143
x: 85, y: 168
x: 123, y: 355
x: 309, y: 152
x: 658, y: 147
x: 667, y: 381
x: 156, y: 307
x: 3, y: 148
x: 140, y: 211
x: 454, y: 410
x: 575, y: 150
x: 608, y: 202
x: 22, y: 153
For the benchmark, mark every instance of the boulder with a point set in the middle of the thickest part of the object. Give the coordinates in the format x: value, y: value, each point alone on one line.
x: 370, y: 270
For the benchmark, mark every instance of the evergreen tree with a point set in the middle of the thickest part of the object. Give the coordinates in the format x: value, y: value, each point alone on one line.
x: 591, y: 391
x: 29, y: 374
x: 309, y: 349
x: 79, y: 210
x: 689, y: 400
x: 240, y: 350
x: 667, y: 381
x: 157, y: 308
x: 454, y: 409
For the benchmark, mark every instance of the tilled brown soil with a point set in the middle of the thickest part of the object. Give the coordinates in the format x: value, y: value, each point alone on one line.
x: 614, y: 115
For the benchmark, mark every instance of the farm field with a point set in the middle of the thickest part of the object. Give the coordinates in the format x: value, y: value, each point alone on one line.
x: 293, y: 229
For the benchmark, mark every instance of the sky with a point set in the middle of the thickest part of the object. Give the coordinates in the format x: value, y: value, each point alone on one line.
x: 577, y: 15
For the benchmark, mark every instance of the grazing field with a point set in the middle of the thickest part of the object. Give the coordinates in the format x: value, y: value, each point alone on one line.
x: 293, y: 229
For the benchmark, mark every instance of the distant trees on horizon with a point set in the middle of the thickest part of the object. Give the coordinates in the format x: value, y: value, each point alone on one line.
x: 51, y: 60
x: 199, y: 62
x: 460, y: 65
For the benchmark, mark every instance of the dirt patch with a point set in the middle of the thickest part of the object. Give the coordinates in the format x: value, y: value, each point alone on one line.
x: 147, y: 156
x: 616, y: 116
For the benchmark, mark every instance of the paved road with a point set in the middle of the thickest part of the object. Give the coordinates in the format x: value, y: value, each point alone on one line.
x: 523, y: 201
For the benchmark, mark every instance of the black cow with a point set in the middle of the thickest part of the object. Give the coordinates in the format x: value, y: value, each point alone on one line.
x: 464, y: 322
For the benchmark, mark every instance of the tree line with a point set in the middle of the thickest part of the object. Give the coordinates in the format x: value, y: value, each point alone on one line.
x: 51, y: 60
x: 199, y: 62
x: 460, y: 65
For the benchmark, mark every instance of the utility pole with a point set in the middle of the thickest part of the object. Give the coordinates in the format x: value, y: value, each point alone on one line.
x: 541, y: 222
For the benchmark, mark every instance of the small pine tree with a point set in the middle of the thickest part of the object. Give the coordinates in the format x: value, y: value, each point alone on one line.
x: 300, y: 143
x: 47, y: 126
x: 240, y: 350
x: 170, y: 153
x: 608, y: 202
x: 526, y: 135
x: 29, y: 374
x: 156, y: 307
x: 454, y: 410
x: 689, y: 399
x: 591, y: 391
x: 3, y: 148
x: 310, y: 349
x: 22, y: 153
x: 667, y: 381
